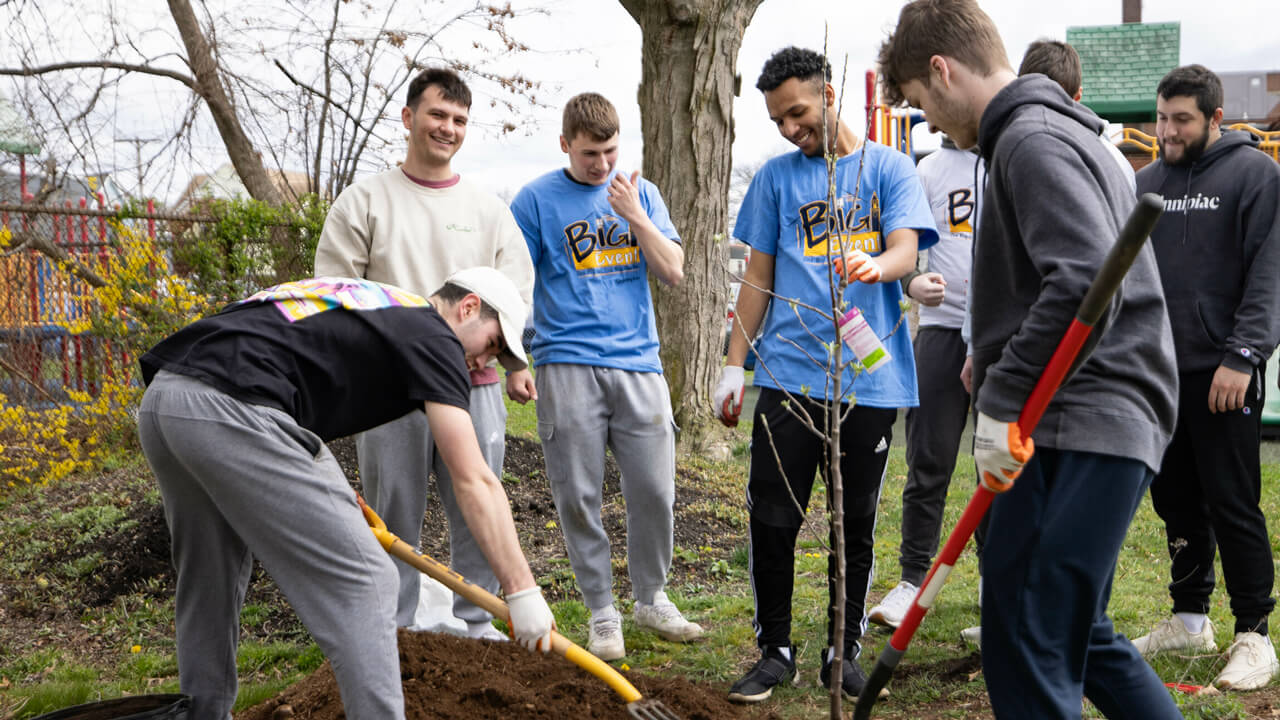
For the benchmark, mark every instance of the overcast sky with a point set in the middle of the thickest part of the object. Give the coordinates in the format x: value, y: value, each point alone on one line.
x: 582, y: 45
x: 1224, y: 38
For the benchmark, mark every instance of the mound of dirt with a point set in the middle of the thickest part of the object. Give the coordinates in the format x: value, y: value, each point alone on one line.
x: 500, y: 681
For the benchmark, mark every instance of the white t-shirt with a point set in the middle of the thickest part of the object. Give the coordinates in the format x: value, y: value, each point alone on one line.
x: 948, y: 179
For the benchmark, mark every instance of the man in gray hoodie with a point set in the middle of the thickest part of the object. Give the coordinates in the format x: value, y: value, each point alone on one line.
x: 1053, y: 205
x: 1218, y: 248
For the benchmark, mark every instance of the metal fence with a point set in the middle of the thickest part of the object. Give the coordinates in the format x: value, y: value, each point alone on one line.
x: 51, y: 259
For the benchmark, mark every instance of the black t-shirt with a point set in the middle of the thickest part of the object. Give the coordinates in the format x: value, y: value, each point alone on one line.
x: 337, y: 371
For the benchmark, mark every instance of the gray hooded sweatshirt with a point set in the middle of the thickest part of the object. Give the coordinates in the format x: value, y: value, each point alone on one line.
x: 1054, y: 203
x: 1218, y: 247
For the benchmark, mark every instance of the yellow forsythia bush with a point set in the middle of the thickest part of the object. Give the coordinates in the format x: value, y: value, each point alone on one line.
x: 140, y: 303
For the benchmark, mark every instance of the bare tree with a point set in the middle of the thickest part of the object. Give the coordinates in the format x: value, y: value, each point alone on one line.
x: 285, y: 86
x: 688, y: 83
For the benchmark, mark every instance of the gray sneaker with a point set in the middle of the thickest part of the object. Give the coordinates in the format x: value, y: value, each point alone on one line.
x: 894, y: 606
x: 605, y: 638
x: 1251, y: 663
x: 1172, y: 634
x: 664, y: 618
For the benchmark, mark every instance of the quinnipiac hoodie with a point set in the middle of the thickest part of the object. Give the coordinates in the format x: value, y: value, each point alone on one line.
x: 1054, y: 204
x: 1218, y: 248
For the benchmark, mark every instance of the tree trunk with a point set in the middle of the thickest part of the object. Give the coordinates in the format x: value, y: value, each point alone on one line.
x: 686, y: 96
x: 244, y: 157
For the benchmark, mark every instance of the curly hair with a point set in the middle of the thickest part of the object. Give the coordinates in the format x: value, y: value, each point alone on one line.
x: 793, y: 62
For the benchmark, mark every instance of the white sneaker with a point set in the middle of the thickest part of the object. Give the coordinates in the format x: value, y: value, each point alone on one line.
x: 485, y: 631
x: 605, y: 639
x: 972, y: 636
x: 1251, y: 665
x: 1172, y: 634
x: 664, y: 618
x: 894, y: 606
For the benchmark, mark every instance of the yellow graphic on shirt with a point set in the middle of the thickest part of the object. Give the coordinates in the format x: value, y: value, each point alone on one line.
x: 960, y: 210
x: 857, y: 229
x: 601, y: 244
x: 303, y: 298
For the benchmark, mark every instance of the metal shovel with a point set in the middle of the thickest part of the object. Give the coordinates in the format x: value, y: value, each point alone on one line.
x: 640, y: 707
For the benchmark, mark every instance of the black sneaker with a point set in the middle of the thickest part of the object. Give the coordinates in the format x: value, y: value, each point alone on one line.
x: 852, y: 677
x: 758, y: 683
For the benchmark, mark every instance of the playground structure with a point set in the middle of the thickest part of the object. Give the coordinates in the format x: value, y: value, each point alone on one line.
x: 40, y: 357
x: 1269, y: 142
x: 887, y: 125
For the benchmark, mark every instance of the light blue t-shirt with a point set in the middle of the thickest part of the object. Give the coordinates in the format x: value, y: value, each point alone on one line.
x: 784, y: 214
x: 591, y: 302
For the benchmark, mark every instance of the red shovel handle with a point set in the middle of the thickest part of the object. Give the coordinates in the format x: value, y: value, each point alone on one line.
x: 1105, y: 284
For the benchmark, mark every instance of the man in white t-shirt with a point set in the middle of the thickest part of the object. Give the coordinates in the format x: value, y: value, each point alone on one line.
x: 949, y: 176
x: 413, y: 226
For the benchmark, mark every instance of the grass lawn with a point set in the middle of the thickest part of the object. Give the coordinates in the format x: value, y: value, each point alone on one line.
x: 36, y: 677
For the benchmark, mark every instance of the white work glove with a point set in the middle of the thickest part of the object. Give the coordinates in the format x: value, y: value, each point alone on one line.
x: 531, y: 619
x: 727, y: 398
x: 1000, y: 452
x: 860, y: 267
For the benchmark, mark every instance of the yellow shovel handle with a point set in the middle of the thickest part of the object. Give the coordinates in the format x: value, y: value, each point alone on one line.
x: 490, y: 602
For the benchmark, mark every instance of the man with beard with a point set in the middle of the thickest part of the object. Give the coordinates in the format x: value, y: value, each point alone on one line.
x: 1218, y: 248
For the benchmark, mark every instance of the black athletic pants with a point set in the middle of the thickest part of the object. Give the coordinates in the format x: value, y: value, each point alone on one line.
x: 933, y: 440
x: 776, y: 516
x: 1207, y: 493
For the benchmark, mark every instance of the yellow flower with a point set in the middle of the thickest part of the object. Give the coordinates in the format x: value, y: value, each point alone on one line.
x: 135, y: 649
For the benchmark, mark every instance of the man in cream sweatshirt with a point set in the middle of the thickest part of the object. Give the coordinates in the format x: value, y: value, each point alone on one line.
x: 412, y: 227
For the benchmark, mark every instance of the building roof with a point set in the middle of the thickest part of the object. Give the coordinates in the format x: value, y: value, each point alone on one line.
x: 1123, y: 64
x: 1251, y: 96
x: 225, y: 184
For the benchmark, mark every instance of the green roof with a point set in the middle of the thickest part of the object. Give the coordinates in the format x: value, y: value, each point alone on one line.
x: 1123, y: 64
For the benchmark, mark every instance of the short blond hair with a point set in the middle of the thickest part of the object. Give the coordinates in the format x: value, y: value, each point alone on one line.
x: 589, y: 114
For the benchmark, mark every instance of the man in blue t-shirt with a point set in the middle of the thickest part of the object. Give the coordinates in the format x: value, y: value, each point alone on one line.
x: 881, y: 218
x: 594, y: 235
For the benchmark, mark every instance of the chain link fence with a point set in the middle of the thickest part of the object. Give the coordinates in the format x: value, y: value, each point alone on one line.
x: 52, y: 349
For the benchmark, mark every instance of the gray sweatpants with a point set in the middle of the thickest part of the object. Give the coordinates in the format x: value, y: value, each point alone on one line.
x: 396, y: 460
x: 582, y: 410
x: 241, y: 481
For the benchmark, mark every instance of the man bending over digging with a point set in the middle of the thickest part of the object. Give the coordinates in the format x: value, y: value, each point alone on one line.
x: 237, y: 409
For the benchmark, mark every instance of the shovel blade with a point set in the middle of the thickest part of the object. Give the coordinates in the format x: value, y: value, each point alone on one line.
x: 650, y: 709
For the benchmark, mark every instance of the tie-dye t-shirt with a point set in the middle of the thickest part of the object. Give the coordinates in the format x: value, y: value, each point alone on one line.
x: 338, y: 355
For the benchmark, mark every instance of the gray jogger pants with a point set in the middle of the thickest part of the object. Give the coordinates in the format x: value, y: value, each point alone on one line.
x: 582, y: 410
x: 241, y: 481
x: 396, y: 460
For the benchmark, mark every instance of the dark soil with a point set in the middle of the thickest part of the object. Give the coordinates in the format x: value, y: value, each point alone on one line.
x: 495, y: 680
x: 500, y: 681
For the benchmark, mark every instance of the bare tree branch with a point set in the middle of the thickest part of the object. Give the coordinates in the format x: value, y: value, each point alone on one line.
x: 99, y: 64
